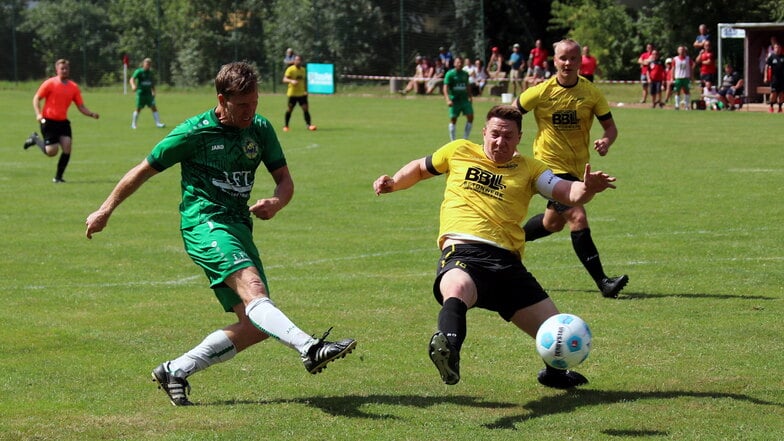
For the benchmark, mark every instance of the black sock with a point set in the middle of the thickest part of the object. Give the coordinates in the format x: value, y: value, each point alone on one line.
x: 288, y: 118
x: 587, y: 253
x: 307, y: 118
x: 534, y: 228
x: 61, y: 164
x: 452, y: 321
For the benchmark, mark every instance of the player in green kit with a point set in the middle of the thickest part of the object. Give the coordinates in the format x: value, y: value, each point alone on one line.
x: 143, y: 82
x: 458, y: 98
x: 219, y: 152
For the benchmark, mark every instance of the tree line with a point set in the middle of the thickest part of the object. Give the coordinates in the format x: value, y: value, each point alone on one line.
x: 188, y: 41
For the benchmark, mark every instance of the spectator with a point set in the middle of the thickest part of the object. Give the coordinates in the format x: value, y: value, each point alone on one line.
x: 446, y: 57
x: 711, y: 97
x: 669, y: 79
x: 702, y: 38
x: 643, y: 61
x: 539, y: 75
x: 417, y: 82
x: 288, y: 58
x: 480, y: 78
x: 536, y: 58
x: 682, y: 72
x: 776, y: 64
x: 707, y: 62
x: 655, y: 78
x: 435, y: 82
x: 731, y: 87
x: 766, y: 52
x: 495, y: 66
x: 589, y: 65
x: 516, y: 65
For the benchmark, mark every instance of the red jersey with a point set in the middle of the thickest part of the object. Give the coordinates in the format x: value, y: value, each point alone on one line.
x: 707, y: 69
x: 656, y: 71
x: 588, y: 65
x: 58, y: 96
x: 538, y: 55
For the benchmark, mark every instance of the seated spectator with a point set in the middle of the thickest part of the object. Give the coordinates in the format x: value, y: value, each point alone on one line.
x: 538, y: 75
x: 711, y: 97
x: 495, y: 66
x: 731, y: 87
x: 478, y: 81
x: 435, y: 82
x: 422, y: 73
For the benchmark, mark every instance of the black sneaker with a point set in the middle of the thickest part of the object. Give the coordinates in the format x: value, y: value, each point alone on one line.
x: 445, y: 357
x: 322, y: 352
x: 31, y: 141
x: 611, y: 286
x: 58, y: 180
x: 561, y: 379
x: 176, y: 388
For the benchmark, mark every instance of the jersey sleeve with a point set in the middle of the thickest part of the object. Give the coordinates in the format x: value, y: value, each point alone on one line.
x: 272, y: 155
x: 172, y: 149
x: 529, y: 99
x: 438, y: 162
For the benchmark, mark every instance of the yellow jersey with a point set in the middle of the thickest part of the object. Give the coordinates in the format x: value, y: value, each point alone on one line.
x: 564, y: 116
x: 296, y: 73
x: 483, y: 200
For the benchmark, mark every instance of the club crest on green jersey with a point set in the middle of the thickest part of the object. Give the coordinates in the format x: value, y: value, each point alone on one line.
x: 251, y: 149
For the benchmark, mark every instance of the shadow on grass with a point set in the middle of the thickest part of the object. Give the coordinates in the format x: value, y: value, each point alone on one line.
x: 351, y: 406
x: 630, y: 295
x: 553, y: 405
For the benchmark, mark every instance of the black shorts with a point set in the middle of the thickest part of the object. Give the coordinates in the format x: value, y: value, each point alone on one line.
x: 559, y: 207
x: 502, y: 283
x: 53, y: 130
x: 301, y: 100
x: 777, y: 86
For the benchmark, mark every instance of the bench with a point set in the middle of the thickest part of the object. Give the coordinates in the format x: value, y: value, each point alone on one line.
x: 764, y: 91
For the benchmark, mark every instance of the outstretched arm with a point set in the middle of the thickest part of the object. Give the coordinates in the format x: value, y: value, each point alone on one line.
x: 406, y: 177
x: 129, y: 183
x: 575, y: 193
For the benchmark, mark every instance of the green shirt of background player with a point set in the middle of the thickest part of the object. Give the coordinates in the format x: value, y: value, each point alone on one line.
x: 143, y: 82
x: 219, y: 152
x: 458, y: 98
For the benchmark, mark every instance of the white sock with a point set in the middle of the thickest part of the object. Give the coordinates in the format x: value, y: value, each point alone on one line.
x: 215, y: 348
x: 677, y: 101
x: 451, y: 132
x: 157, y: 117
x: 135, y: 118
x: 688, y: 101
x: 267, y: 317
x: 467, y: 131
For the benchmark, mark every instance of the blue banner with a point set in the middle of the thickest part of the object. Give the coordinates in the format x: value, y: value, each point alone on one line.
x: 321, y: 78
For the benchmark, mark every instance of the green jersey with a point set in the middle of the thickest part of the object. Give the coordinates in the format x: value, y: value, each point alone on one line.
x: 144, y: 81
x: 218, y: 166
x: 456, y: 82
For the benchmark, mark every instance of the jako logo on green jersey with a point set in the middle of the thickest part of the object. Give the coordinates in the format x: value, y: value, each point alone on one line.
x: 484, y: 177
x: 251, y: 149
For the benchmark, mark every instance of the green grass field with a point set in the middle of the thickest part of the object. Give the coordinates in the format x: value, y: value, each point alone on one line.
x: 691, y: 351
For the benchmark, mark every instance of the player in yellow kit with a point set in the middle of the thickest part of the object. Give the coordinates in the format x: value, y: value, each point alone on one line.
x: 297, y: 92
x: 488, y: 189
x: 564, y: 108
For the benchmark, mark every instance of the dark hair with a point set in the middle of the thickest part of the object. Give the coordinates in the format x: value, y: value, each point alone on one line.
x: 510, y: 113
x: 236, y: 78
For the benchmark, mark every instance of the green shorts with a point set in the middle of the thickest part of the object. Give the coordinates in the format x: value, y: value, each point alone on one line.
x: 681, y: 84
x: 220, y: 250
x: 459, y: 107
x: 145, y: 100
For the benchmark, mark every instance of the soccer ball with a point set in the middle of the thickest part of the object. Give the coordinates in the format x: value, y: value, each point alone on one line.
x: 563, y: 341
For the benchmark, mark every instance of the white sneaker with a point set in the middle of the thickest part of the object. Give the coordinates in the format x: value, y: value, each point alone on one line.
x: 160, y: 125
x: 133, y: 126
